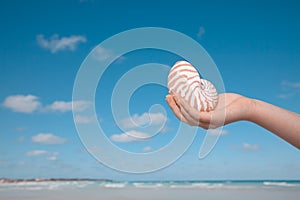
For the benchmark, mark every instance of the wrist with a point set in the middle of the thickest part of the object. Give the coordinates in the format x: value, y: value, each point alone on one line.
x: 251, y: 109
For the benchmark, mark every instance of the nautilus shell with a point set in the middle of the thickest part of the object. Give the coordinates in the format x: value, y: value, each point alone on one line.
x: 184, y: 80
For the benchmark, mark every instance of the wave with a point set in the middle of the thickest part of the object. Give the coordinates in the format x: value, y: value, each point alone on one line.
x: 114, y: 185
x: 199, y: 185
x: 234, y: 185
x: 148, y: 185
x: 50, y: 185
x: 281, y: 184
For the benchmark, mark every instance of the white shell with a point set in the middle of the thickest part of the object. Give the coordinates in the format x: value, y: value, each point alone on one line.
x: 184, y: 80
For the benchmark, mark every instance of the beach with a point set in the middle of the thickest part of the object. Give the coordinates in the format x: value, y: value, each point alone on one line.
x: 174, y: 190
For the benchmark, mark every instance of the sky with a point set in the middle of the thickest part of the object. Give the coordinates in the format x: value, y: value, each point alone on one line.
x: 255, y: 45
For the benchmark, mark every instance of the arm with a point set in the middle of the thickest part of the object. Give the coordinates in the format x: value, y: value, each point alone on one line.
x: 281, y: 122
x: 234, y: 107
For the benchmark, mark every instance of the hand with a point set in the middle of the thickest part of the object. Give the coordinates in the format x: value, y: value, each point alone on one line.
x: 234, y: 107
x: 230, y: 108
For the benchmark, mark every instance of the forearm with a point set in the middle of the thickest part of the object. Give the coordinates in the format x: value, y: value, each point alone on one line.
x: 281, y: 122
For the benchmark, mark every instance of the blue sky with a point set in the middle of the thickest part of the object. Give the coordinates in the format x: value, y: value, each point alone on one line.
x: 43, y: 43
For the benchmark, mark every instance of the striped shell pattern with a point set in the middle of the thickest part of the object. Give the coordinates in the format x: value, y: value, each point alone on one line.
x: 184, y: 80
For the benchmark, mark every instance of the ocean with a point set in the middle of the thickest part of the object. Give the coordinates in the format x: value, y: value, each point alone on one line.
x: 131, y: 190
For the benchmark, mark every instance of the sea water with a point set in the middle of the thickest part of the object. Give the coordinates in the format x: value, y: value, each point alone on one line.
x: 112, y: 190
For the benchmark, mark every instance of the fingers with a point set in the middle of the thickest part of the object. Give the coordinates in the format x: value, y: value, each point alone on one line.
x: 193, y: 116
x: 172, y: 104
x: 175, y: 108
x: 200, y: 117
x: 193, y: 113
x: 186, y: 114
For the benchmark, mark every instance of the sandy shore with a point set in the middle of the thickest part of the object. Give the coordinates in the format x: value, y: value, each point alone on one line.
x: 150, y: 194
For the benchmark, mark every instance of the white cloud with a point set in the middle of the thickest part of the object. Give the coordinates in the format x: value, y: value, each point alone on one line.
x: 129, y: 136
x: 216, y: 132
x: 147, y: 149
x: 22, y: 103
x: 52, y: 158
x: 289, y: 89
x: 30, y: 103
x: 36, y: 153
x: 51, y: 155
x: 103, y: 54
x: 165, y: 129
x: 295, y: 85
x: 83, y: 119
x: 48, y: 138
x: 251, y: 147
x: 55, y: 44
x: 285, y: 96
x: 144, y: 119
x: 64, y: 106
x: 201, y: 32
